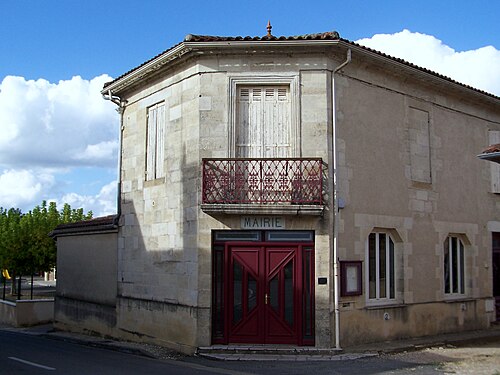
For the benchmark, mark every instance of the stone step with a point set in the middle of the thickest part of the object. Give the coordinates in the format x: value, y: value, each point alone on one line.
x: 275, y: 353
x: 267, y: 350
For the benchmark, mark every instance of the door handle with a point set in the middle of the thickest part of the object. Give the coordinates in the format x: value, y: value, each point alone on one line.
x: 266, y: 298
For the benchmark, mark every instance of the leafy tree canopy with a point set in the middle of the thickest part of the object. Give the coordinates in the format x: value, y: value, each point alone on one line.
x: 25, y: 246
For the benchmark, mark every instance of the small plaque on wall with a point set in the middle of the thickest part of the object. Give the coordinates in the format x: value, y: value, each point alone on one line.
x: 350, y: 278
x: 322, y: 281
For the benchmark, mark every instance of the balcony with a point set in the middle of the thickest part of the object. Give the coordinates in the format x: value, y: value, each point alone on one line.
x: 266, y: 186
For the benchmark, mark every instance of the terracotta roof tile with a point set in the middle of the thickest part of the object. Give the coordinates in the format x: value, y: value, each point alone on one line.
x: 492, y: 148
x: 329, y: 35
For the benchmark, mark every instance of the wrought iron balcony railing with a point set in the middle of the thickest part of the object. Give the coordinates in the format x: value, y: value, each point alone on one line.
x: 269, y: 181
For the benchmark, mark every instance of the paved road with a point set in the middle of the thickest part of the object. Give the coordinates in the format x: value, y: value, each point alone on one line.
x: 22, y: 353
x: 361, y: 366
x: 28, y: 354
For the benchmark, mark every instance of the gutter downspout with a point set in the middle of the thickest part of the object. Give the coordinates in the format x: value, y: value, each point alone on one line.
x: 121, y: 109
x: 334, y: 204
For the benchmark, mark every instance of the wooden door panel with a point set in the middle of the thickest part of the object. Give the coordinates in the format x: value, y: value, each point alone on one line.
x: 244, y: 292
x: 280, y: 311
x: 264, y: 295
x: 248, y: 258
x: 276, y: 258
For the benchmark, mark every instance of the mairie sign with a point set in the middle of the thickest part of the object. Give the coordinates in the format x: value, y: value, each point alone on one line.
x: 262, y: 222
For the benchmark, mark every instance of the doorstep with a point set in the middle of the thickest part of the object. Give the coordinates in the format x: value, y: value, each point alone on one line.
x: 274, y: 353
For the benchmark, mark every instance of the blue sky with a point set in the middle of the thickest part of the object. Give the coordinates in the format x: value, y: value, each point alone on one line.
x: 53, y: 149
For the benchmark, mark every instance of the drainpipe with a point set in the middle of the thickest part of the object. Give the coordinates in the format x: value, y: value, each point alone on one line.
x: 334, y: 203
x: 121, y: 109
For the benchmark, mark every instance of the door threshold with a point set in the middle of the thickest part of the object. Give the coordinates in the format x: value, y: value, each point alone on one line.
x: 272, y: 349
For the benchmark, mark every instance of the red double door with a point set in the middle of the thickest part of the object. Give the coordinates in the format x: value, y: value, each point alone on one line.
x: 269, y: 296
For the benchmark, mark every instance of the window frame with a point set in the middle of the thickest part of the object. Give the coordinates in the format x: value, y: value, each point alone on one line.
x: 154, y: 166
x: 292, y: 81
x: 391, y: 290
x: 458, y: 267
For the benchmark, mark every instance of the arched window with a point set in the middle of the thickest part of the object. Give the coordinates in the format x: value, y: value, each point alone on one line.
x: 381, y: 267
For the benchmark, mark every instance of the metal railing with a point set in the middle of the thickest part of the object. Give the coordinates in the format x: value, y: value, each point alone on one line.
x: 263, y: 180
x: 30, y: 287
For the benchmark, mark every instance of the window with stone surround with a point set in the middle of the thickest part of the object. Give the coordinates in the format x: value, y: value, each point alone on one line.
x: 454, y: 266
x: 380, y: 268
x: 155, y: 142
x: 264, y: 116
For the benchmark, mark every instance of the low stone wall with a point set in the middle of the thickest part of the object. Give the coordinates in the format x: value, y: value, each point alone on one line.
x: 8, y: 313
x: 27, y: 312
x: 369, y: 325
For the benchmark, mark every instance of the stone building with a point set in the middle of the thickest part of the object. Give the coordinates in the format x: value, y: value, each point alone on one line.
x: 299, y: 190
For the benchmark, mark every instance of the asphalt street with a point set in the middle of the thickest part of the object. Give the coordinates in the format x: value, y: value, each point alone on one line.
x: 28, y: 354
x: 24, y: 352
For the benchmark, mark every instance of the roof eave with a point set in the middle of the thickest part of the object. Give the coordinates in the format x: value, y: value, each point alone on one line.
x: 95, y: 229
x: 490, y: 156
x: 151, y: 66
x: 418, y: 71
x: 186, y: 47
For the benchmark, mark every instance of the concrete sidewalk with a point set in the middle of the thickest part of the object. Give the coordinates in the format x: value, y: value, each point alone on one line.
x: 283, y: 353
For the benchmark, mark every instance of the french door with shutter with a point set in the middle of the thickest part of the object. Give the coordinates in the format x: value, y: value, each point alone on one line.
x: 264, y: 130
x: 263, y: 122
x: 263, y: 293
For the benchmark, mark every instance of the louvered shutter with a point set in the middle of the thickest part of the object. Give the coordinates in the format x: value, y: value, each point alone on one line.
x: 155, y: 144
x: 151, y: 144
x: 263, y: 127
x: 277, y: 125
x: 160, y: 141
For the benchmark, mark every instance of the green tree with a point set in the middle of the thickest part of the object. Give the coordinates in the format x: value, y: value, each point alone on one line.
x: 25, y: 247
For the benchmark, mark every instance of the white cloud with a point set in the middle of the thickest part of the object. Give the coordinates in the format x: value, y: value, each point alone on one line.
x: 49, y: 131
x: 102, y: 151
x: 21, y: 187
x: 26, y: 189
x: 101, y: 204
x: 56, y: 124
x: 479, y: 68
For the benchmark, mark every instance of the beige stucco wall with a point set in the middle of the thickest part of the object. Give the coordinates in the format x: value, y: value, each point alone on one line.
x: 86, y: 282
x: 411, y: 320
x: 375, y: 180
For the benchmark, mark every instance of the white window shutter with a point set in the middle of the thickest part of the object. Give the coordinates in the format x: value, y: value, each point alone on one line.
x: 155, y: 142
x: 160, y: 141
x: 494, y: 138
x: 264, y: 122
x: 151, y: 144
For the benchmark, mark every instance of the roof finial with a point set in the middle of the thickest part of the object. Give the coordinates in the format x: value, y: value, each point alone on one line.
x: 269, y: 28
